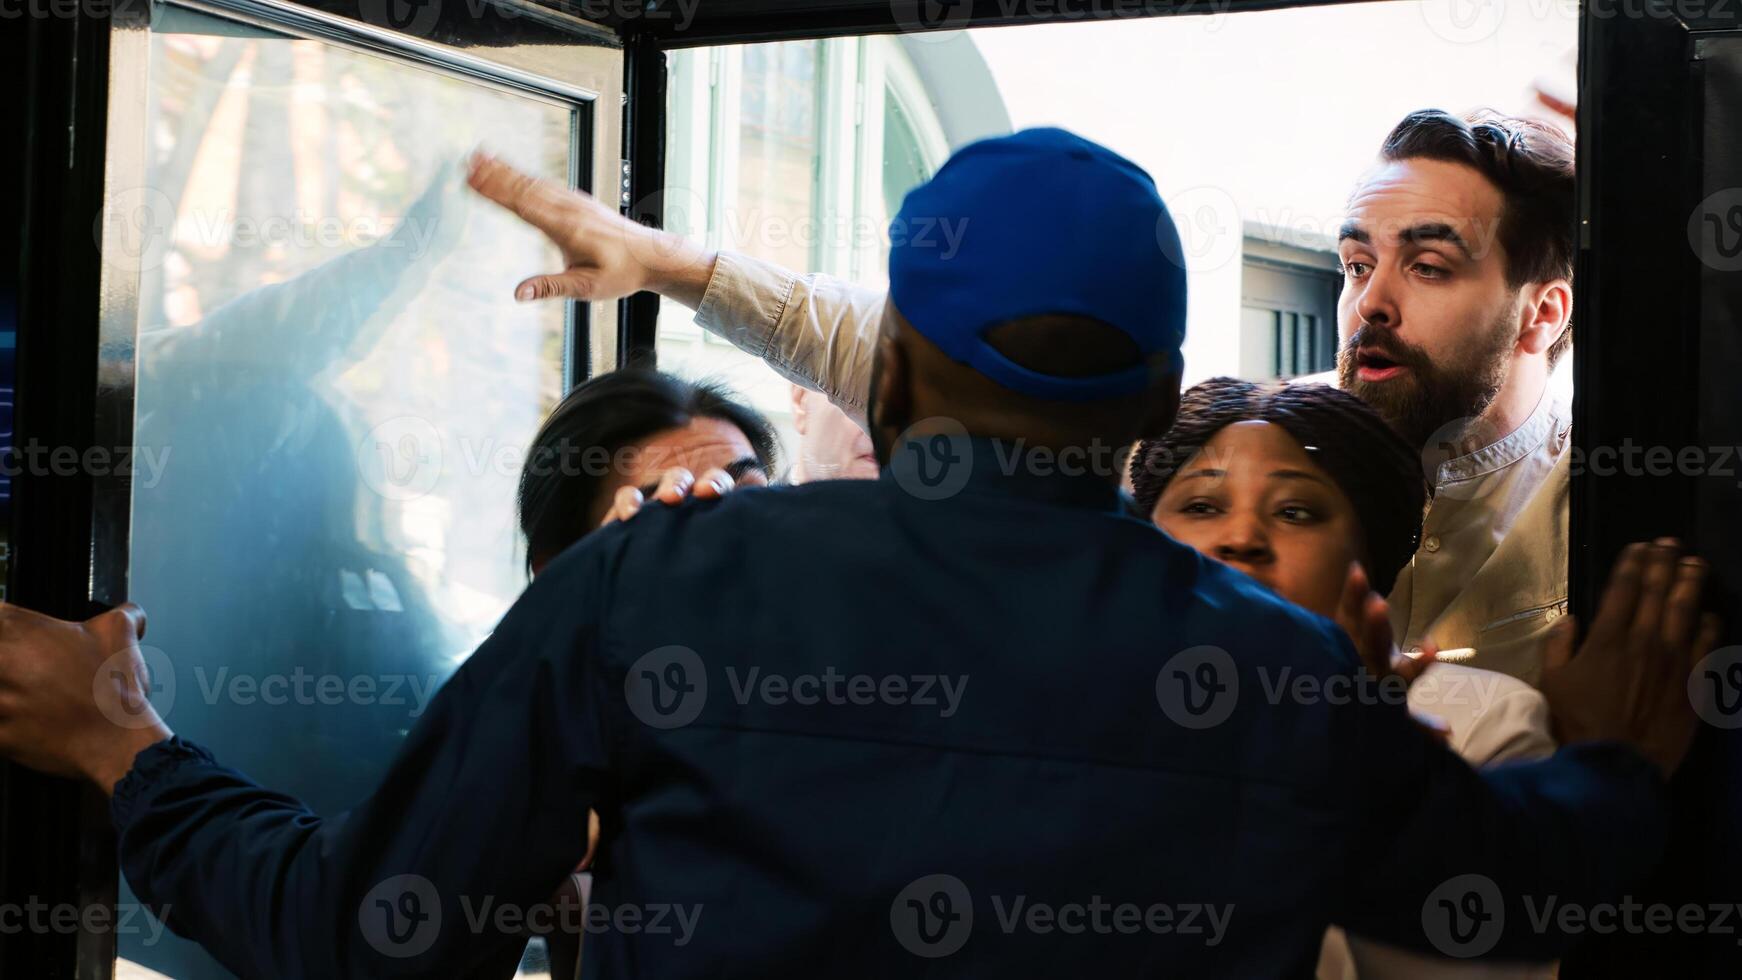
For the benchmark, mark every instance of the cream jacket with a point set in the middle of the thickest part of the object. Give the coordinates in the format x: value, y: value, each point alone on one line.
x: 1490, y: 574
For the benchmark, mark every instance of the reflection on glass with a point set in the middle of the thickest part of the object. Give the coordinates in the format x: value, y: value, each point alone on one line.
x: 334, y: 391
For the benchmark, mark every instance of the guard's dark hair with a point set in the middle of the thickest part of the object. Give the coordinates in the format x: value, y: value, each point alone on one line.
x: 1373, y: 466
x: 572, y: 455
x: 1532, y: 164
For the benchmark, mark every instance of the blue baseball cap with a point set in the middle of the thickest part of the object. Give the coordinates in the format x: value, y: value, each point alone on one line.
x: 1040, y: 222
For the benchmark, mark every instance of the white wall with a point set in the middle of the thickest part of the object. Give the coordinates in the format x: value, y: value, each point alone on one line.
x: 1269, y: 116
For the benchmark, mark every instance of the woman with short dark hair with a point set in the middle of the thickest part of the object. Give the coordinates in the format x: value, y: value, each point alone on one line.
x: 1369, y: 462
x: 629, y: 434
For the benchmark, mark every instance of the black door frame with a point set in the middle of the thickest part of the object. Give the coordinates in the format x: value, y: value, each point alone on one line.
x: 1652, y: 335
x: 63, y: 75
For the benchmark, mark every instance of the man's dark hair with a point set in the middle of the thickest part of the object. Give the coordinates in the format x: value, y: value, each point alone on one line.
x: 1532, y: 164
x: 572, y: 455
x: 1379, y: 472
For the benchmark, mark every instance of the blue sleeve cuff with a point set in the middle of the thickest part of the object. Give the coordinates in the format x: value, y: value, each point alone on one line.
x: 151, y: 767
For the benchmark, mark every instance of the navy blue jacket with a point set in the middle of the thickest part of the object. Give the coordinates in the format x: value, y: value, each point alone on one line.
x: 844, y: 730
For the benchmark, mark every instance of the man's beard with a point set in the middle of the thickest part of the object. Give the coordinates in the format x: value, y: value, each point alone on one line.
x: 1427, y: 398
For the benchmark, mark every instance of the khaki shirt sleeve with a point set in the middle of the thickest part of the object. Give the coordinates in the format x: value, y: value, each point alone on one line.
x: 814, y: 330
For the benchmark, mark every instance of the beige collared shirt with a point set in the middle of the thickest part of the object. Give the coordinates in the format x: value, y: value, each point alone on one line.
x: 1490, y: 574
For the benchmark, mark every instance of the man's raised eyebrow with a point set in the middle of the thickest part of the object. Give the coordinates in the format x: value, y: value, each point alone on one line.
x: 1353, y: 231
x: 1208, y: 472
x: 1436, y: 231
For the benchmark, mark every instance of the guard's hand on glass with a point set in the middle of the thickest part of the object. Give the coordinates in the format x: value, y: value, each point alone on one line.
x: 73, y: 696
x: 1629, y: 679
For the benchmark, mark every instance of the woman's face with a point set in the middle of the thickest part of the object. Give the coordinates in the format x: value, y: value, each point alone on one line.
x: 705, y: 444
x: 1254, y: 499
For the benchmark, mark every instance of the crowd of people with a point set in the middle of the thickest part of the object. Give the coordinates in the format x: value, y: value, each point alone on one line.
x: 1122, y: 641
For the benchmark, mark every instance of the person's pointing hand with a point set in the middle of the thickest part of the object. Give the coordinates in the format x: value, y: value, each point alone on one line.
x: 606, y: 256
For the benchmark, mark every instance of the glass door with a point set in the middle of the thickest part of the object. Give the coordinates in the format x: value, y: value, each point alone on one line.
x: 328, y: 382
